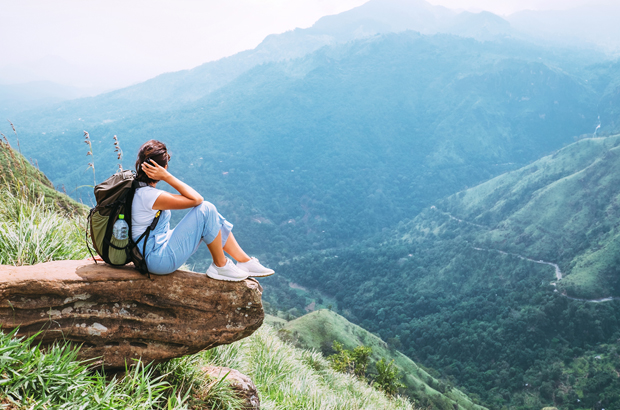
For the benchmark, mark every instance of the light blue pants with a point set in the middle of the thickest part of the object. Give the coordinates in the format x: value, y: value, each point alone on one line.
x: 169, y: 250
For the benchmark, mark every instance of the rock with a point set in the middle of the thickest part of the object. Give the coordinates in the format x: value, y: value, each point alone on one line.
x: 240, y: 383
x: 118, y: 315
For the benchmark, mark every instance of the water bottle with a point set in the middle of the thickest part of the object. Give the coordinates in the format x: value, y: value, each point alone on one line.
x: 120, y: 229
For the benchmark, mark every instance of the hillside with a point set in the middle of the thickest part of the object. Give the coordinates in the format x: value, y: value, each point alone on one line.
x: 21, y: 177
x: 562, y: 208
x: 318, y: 330
x: 350, y: 139
x: 467, y: 285
x: 57, y: 380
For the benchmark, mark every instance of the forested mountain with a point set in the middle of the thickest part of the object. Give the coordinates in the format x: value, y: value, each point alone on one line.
x: 471, y: 285
x: 327, y: 148
x: 19, y: 97
x: 374, y: 17
x: 344, y: 142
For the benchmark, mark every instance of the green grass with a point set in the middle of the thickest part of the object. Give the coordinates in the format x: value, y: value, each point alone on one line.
x: 286, y: 378
x: 32, y: 231
x: 37, y: 223
x: 34, y: 378
x: 25, y: 181
x: 291, y: 378
x: 318, y: 330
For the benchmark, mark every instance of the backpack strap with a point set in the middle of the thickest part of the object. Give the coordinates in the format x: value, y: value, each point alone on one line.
x: 90, y: 214
x: 145, y: 235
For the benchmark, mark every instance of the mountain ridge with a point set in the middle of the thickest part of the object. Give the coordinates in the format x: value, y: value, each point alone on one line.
x: 470, y: 285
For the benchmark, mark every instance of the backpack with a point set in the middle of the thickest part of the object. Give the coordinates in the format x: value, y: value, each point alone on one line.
x: 114, y: 197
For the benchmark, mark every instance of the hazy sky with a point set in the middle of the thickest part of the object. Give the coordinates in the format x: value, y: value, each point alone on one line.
x: 113, y: 43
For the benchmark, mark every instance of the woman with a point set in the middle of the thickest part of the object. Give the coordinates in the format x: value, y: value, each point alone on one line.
x: 167, y: 249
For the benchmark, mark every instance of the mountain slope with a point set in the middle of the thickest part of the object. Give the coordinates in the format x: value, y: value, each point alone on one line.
x: 562, y: 208
x: 20, y: 177
x: 319, y: 329
x: 466, y: 286
x: 350, y: 139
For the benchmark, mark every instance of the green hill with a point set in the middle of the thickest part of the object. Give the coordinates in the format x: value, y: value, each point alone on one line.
x: 21, y: 177
x: 319, y: 329
x: 466, y: 286
x: 563, y: 208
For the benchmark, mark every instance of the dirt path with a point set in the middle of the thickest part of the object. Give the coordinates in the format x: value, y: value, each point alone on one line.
x: 449, y: 215
x: 558, y: 272
x: 558, y: 275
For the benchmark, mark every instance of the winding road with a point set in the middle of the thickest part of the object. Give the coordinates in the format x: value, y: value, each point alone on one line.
x: 558, y: 272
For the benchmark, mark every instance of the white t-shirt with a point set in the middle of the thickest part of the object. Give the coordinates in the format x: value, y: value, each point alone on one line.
x: 142, y: 212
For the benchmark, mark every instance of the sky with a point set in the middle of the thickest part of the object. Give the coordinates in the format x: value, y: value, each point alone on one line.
x: 105, y: 44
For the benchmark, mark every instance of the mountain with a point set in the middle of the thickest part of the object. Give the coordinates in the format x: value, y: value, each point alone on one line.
x: 372, y: 18
x: 561, y: 208
x: 483, y: 26
x: 350, y: 139
x: 27, y: 96
x: 318, y: 330
x: 471, y: 285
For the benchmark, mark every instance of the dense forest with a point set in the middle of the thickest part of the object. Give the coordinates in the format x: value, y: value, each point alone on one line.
x: 473, y: 294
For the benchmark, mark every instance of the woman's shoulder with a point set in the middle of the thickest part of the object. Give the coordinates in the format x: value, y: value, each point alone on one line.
x: 147, y: 194
x: 148, y: 190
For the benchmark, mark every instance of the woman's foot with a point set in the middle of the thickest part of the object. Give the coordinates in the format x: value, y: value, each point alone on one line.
x: 254, y: 268
x: 227, y: 272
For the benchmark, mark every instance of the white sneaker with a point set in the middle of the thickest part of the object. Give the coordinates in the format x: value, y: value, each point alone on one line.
x: 254, y: 268
x: 227, y: 272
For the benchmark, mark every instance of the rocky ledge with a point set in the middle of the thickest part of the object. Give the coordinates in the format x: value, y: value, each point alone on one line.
x: 118, y: 315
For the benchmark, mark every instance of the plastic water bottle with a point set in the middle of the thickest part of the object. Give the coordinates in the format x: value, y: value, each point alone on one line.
x: 120, y: 230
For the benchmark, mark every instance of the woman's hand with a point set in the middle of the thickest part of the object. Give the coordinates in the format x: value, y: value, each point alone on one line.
x: 155, y: 171
x: 188, y: 197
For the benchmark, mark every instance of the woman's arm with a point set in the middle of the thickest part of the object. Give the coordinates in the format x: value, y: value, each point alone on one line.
x: 189, y: 198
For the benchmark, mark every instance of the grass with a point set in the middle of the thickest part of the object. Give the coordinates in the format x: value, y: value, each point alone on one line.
x: 286, y: 378
x: 25, y: 181
x: 31, y: 231
x: 34, y: 378
x: 319, y: 329
x: 291, y: 378
x: 37, y: 223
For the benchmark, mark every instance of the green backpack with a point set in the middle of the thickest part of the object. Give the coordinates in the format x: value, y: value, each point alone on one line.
x: 114, y: 198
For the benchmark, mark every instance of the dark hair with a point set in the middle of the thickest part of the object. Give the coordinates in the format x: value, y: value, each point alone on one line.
x: 154, y: 150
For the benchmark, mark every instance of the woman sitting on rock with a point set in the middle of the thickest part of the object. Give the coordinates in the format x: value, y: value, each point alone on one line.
x: 167, y: 249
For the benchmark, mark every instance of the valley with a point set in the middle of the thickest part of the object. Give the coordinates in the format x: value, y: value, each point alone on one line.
x: 445, y: 180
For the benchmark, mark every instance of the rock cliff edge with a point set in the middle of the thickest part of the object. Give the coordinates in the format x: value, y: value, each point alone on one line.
x: 118, y: 315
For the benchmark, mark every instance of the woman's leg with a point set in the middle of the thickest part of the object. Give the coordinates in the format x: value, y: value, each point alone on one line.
x: 217, y: 251
x: 232, y: 248
x: 201, y: 224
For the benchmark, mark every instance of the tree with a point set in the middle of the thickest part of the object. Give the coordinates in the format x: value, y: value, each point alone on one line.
x: 388, y: 377
x: 350, y: 361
